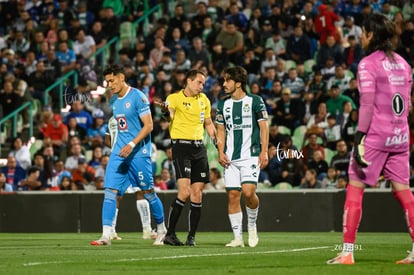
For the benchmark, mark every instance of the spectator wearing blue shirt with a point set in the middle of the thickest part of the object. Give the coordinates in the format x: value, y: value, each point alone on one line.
x: 14, y: 174
x: 66, y: 57
x: 237, y: 18
x: 96, y: 134
x: 83, y: 118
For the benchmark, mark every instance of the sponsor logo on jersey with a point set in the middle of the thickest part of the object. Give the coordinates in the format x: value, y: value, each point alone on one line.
x: 388, y: 66
x: 366, y: 83
x: 396, y: 80
x: 396, y: 140
x: 244, y: 126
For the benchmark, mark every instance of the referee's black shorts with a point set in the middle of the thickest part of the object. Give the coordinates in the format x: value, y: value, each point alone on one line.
x: 190, y: 160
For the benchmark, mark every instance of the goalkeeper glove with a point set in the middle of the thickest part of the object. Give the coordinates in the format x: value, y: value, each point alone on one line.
x: 359, y: 149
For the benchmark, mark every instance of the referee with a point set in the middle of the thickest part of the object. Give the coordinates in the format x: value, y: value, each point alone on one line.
x: 189, y: 113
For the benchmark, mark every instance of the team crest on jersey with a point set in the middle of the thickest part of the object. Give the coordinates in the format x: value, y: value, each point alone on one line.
x: 122, y: 123
x: 187, y: 105
x: 246, y: 108
x: 128, y: 105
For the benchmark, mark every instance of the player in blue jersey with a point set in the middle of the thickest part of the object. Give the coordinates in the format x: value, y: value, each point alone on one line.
x: 130, y: 159
x: 142, y: 204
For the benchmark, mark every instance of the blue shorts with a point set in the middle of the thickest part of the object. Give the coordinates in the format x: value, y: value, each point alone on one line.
x: 121, y: 172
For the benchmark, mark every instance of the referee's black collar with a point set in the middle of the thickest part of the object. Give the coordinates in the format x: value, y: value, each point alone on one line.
x: 196, y: 96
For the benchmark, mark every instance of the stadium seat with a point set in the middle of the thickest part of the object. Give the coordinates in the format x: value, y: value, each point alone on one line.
x: 88, y: 155
x: 161, y: 155
x: 299, y: 135
x: 35, y: 146
x: 329, y: 155
x: 394, y: 9
x: 212, y: 154
x: 349, y: 73
x: 315, y: 55
x: 283, y: 186
x: 19, y: 123
x: 36, y: 107
x: 309, y: 65
x: 289, y: 64
x: 284, y: 130
x: 3, y: 134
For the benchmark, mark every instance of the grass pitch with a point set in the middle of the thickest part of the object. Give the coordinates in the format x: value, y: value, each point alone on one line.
x: 277, y: 253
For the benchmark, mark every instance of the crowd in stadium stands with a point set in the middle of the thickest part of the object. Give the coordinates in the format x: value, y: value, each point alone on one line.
x: 301, y: 58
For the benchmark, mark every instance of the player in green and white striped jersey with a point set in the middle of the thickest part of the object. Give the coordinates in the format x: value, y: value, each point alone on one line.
x: 242, y: 142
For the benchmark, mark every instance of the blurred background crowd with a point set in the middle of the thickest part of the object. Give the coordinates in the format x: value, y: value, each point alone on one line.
x: 301, y: 57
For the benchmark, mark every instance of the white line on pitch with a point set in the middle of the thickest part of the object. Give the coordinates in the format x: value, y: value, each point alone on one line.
x: 192, y: 256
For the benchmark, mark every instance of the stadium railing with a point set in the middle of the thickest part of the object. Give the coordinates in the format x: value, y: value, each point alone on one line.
x: 100, y: 57
x: 71, y: 78
x: 10, y: 123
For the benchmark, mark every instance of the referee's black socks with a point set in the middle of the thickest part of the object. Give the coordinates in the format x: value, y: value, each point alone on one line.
x: 195, y: 214
x: 175, y: 212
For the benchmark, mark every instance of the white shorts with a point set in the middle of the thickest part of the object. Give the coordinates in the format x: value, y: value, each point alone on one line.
x: 242, y: 171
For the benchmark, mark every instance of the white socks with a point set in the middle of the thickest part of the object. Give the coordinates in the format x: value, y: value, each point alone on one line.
x: 143, y: 208
x: 236, y: 220
x: 251, y: 217
x: 161, y: 227
x: 106, y: 232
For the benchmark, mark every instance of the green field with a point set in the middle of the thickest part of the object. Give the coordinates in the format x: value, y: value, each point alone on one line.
x: 277, y: 253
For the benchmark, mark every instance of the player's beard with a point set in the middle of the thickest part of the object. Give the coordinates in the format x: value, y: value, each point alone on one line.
x: 231, y: 91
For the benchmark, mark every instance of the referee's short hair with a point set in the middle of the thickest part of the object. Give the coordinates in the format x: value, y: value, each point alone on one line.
x: 192, y: 74
x: 237, y: 73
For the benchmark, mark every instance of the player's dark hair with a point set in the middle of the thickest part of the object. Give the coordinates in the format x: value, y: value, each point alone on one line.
x: 192, y: 74
x: 238, y: 74
x: 383, y: 31
x: 113, y: 69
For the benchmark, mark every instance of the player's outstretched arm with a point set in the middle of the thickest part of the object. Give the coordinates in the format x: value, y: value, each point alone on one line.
x: 164, y: 109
